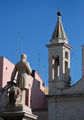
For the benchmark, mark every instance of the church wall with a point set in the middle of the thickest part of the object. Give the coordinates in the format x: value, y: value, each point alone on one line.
x: 58, y: 51
x: 53, y: 52
x: 41, y: 113
x: 65, y: 102
x: 66, y: 108
x: 78, y: 87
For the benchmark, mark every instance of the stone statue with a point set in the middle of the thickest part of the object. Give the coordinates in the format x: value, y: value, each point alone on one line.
x: 23, y: 68
x: 14, y: 95
x: 10, y: 94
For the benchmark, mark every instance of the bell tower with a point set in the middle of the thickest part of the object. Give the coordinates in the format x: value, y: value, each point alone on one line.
x: 58, y: 58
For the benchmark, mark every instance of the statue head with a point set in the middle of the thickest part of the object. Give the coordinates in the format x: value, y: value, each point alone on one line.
x: 23, y: 57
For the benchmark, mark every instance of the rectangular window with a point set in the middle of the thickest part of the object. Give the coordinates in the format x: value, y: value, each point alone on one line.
x: 66, y: 55
x: 66, y: 70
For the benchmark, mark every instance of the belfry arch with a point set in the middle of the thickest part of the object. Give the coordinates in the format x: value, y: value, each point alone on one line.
x: 55, y: 68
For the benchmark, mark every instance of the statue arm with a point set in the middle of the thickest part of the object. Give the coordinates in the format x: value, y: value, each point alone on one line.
x: 13, y: 74
x: 29, y: 70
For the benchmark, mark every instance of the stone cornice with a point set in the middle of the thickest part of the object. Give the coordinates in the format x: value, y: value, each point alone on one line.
x: 67, y: 95
x: 59, y: 44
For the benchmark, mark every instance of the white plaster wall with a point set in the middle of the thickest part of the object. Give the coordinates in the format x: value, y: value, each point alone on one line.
x: 66, y: 108
x: 57, y: 51
x: 76, y: 88
x: 42, y: 115
x: 51, y: 109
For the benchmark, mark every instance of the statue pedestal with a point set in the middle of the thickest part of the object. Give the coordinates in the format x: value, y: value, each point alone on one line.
x: 20, y: 112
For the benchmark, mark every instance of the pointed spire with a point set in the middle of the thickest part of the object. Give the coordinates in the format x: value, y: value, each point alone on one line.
x: 59, y: 32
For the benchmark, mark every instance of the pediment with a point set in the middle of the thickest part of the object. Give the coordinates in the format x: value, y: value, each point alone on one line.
x: 78, y: 87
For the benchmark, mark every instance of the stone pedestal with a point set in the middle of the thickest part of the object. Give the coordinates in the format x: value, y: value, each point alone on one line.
x: 20, y: 112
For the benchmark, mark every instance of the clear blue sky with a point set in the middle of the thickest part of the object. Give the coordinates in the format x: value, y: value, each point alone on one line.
x: 37, y: 20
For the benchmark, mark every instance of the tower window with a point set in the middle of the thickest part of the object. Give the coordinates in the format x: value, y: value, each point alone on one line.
x: 66, y: 55
x: 55, y: 68
x: 66, y: 70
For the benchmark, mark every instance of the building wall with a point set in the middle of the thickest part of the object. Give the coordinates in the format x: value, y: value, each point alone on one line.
x: 41, y: 113
x: 35, y: 96
x: 36, y: 93
x: 1, y: 71
x: 7, y: 70
x: 66, y: 108
x: 67, y: 104
x: 38, y: 78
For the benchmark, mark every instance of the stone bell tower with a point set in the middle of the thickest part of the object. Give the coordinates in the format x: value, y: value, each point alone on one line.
x: 59, y: 58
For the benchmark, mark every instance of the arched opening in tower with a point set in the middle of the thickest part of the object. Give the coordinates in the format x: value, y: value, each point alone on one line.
x: 66, y: 70
x: 55, y: 68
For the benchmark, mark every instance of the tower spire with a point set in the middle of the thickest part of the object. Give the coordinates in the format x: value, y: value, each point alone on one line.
x: 59, y: 59
x: 59, y: 35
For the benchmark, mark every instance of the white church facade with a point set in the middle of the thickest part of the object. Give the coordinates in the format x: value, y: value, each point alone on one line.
x: 65, y: 102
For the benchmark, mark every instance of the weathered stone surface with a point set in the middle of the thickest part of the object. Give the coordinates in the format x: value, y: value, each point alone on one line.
x: 17, y: 113
x: 13, y: 95
x: 41, y: 113
x: 23, y: 68
x: 65, y: 102
x: 66, y: 107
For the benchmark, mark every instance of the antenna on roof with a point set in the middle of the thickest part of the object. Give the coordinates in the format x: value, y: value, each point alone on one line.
x: 22, y: 37
x: 17, y: 46
x: 29, y: 55
x: 44, y: 74
x: 39, y: 62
